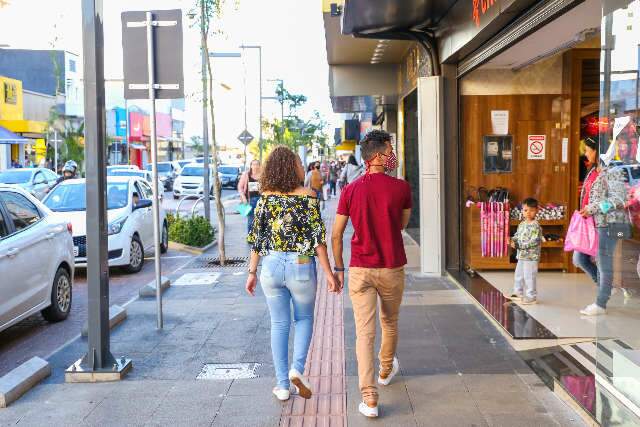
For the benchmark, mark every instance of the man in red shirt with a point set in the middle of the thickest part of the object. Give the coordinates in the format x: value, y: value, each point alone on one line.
x: 379, y: 207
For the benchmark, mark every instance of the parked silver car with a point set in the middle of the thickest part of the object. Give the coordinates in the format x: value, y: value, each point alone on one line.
x: 34, y: 180
x: 36, y: 259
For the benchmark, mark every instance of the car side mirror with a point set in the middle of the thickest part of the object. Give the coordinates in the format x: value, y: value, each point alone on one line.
x: 142, y: 203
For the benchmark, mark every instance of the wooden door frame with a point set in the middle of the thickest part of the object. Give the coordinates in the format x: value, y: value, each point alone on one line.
x: 572, y: 90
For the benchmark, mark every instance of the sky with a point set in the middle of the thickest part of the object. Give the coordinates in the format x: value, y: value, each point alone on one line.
x: 290, y: 32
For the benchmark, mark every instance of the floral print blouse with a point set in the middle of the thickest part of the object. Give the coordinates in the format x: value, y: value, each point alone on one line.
x: 610, y: 185
x: 287, y: 223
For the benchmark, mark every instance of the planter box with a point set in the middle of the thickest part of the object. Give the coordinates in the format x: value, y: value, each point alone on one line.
x: 192, y: 249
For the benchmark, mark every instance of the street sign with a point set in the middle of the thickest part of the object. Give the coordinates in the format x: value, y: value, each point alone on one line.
x: 168, y: 69
x: 152, y: 52
x: 245, y: 137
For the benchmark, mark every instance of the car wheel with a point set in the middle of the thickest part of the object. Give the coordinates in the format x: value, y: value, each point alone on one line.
x: 136, y: 256
x: 164, y: 242
x: 61, y: 296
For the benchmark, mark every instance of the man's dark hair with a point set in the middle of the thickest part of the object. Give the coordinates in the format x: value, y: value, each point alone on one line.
x: 374, y: 142
x: 531, y: 202
x: 352, y: 160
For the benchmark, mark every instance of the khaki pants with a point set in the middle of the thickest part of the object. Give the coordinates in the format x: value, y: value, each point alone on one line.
x: 366, y: 285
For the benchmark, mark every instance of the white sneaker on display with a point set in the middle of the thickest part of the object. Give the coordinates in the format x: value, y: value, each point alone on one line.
x: 304, y: 388
x: 394, y: 370
x: 281, y: 394
x: 368, y: 411
x: 593, y: 310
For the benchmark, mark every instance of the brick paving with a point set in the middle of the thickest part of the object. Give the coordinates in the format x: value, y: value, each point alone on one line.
x: 325, y: 362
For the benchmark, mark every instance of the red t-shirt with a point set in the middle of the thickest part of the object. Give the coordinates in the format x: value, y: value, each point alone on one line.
x: 375, y: 203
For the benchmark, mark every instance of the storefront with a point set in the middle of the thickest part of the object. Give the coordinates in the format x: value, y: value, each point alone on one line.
x: 510, y: 92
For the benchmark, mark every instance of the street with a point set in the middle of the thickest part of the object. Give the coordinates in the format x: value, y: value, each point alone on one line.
x: 35, y: 336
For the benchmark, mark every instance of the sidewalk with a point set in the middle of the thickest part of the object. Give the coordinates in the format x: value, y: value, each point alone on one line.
x: 457, y: 370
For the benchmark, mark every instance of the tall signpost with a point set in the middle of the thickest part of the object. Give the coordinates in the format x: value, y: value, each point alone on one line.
x: 98, y: 364
x: 152, y: 46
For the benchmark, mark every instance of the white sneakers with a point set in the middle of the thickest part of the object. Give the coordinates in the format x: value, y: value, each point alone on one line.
x: 367, y: 410
x: 304, y: 388
x: 281, y: 394
x: 394, y: 370
x: 593, y: 310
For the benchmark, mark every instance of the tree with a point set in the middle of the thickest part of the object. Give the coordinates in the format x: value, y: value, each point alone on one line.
x: 209, y: 10
x: 196, y: 145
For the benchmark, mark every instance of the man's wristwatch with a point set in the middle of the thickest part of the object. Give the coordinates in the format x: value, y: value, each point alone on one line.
x: 338, y: 269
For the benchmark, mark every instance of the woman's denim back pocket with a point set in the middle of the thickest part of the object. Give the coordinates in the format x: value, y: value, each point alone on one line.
x: 271, y: 273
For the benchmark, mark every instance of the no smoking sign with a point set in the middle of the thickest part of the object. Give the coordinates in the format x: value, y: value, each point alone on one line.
x: 536, y: 147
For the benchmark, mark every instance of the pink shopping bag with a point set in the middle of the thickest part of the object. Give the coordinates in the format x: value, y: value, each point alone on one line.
x: 582, y: 235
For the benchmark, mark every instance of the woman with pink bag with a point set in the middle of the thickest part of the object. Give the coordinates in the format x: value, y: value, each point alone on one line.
x: 581, y: 260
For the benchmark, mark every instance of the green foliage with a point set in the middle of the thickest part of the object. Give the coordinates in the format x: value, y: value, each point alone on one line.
x: 196, y: 145
x: 194, y: 231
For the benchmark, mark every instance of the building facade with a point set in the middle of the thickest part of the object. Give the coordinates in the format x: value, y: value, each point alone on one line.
x: 491, y: 102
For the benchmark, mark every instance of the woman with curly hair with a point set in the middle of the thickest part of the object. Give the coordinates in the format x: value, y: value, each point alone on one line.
x: 288, y: 234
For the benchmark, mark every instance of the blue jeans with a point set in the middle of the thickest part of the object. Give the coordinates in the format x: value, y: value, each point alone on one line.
x: 606, y: 248
x: 284, y: 282
x: 584, y: 263
x: 253, y: 201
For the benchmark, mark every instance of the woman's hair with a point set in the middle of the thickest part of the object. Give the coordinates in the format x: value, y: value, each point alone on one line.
x: 591, y: 143
x: 311, y: 166
x: 279, y: 171
x: 352, y: 160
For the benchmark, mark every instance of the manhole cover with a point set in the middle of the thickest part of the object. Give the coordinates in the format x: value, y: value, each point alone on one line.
x: 214, y: 262
x: 228, y: 371
x: 197, y: 279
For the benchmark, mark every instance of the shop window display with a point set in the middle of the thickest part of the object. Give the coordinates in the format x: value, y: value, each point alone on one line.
x: 578, y: 111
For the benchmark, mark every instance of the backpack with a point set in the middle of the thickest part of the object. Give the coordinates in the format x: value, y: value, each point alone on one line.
x: 316, y: 180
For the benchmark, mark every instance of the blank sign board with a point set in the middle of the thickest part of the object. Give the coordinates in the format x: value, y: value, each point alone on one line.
x: 167, y: 38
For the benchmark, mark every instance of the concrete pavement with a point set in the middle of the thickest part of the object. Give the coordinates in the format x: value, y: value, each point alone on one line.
x: 456, y: 369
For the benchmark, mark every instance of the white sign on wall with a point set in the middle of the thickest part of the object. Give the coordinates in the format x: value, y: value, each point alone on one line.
x: 536, y: 147
x: 500, y: 122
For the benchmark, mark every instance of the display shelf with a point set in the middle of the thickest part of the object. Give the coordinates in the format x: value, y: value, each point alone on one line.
x: 553, y: 244
x: 543, y: 222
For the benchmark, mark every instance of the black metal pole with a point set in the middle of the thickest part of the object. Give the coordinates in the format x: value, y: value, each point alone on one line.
x: 99, y: 355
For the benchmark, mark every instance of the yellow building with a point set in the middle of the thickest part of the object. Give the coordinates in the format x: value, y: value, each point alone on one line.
x: 18, y: 136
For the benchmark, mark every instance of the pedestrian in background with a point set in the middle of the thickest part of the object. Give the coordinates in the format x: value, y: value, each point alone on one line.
x: 249, y: 189
x: 314, y: 180
x: 379, y: 207
x: 351, y: 171
x: 333, y: 177
x: 288, y: 234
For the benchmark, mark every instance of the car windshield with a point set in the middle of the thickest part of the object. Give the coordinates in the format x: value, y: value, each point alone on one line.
x: 72, y: 197
x: 192, y: 171
x: 122, y: 172
x: 162, y: 167
x: 15, y: 177
x: 228, y: 170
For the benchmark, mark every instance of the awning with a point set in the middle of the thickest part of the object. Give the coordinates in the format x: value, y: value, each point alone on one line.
x: 392, y: 16
x: 8, y: 137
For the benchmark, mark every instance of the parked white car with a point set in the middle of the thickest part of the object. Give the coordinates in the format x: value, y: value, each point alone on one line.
x: 190, y: 182
x: 144, y: 174
x: 130, y: 227
x: 34, y: 180
x: 36, y: 259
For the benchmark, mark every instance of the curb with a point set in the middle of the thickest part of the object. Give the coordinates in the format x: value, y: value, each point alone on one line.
x: 116, y: 315
x: 149, y: 290
x: 192, y: 249
x: 22, y: 379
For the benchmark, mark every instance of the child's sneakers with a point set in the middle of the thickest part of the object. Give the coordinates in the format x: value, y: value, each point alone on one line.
x: 515, y: 297
x: 528, y: 301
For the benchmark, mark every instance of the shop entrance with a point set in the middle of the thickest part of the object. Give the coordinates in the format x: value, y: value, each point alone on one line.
x: 526, y: 117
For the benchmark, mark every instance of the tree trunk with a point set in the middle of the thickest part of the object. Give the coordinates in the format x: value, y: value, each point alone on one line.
x: 214, y: 154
